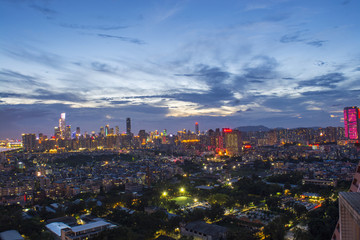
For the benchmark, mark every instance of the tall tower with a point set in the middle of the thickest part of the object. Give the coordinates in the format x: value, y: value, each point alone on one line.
x: 197, y: 132
x: 102, y: 132
x: 107, y: 130
x: 351, y: 123
x: 57, y: 133
x: 62, y: 125
x: 128, y: 126
x: 117, y: 130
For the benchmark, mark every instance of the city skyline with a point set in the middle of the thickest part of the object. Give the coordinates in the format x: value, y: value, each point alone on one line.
x: 167, y: 65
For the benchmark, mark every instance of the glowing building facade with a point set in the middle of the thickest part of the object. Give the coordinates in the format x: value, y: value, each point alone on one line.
x: 232, y: 139
x: 62, y: 125
x: 351, y: 123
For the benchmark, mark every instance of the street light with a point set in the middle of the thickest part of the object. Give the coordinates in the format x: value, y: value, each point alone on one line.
x: 182, y: 190
x: 164, y: 194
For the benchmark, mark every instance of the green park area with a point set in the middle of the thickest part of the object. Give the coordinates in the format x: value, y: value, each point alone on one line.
x: 182, y: 200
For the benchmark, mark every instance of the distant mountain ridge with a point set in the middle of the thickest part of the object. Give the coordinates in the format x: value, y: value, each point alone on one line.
x: 253, y: 128
x: 263, y: 128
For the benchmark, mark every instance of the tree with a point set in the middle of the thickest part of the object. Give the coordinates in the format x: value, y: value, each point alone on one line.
x: 275, y: 230
x: 299, y: 209
x: 300, y: 234
x: 215, y: 212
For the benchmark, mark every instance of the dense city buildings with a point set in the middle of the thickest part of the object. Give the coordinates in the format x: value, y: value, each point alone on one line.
x: 277, y: 172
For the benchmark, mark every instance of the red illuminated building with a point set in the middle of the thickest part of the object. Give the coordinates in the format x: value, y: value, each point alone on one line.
x: 351, y: 123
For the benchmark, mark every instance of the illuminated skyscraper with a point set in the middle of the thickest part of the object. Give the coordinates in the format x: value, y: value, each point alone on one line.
x: 62, y: 125
x: 128, y: 126
x: 197, y: 128
x: 107, y: 130
x: 102, y: 132
x: 117, y: 130
x: 232, y: 139
x: 57, y: 132
x: 78, y: 131
x: 351, y: 123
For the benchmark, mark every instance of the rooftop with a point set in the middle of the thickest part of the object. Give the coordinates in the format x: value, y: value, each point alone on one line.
x: 56, y: 227
x: 89, y: 226
x: 11, y: 235
x: 203, y: 227
x: 353, y: 199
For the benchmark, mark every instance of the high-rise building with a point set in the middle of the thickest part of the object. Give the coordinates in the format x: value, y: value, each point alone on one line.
x: 78, y: 131
x: 345, y: 224
x: 349, y: 215
x: 128, y: 126
x: 197, y: 128
x: 102, y: 132
x: 57, y: 133
x: 232, y: 139
x: 351, y: 123
x: 107, y: 130
x: 117, y: 130
x: 62, y: 125
x: 29, y: 142
x: 68, y: 132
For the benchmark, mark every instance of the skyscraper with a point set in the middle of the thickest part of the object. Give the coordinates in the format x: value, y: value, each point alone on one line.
x: 29, y: 142
x: 102, y: 132
x: 117, y: 130
x: 62, y: 125
x: 57, y: 133
x: 351, y: 123
x: 197, y: 128
x: 128, y: 126
x: 68, y: 132
x: 232, y: 141
x: 107, y: 130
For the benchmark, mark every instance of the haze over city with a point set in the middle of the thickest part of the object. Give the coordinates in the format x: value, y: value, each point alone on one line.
x: 168, y: 64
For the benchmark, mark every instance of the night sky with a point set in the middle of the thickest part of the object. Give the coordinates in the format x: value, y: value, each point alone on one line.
x: 167, y: 64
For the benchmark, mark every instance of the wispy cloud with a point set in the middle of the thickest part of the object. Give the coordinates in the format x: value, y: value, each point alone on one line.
x: 14, y: 77
x: 102, y: 67
x: 300, y: 36
x: 125, y: 39
x: 48, y: 12
x: 93, y: 27
x: 329, y: 81
x: 34, y: 55
x: 317, y: 43
x: 293, y: 37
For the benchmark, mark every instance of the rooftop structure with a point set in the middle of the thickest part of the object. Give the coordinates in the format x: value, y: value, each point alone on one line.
x: 11, y: 235
x: 202, y: 230
x: 349, y: 215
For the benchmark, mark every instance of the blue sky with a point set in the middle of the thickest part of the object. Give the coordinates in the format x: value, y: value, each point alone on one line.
x: 167, y: 64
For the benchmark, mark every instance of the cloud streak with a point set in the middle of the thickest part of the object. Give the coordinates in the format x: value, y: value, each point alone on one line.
x: 125, y: 39
x: 93, y: 27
